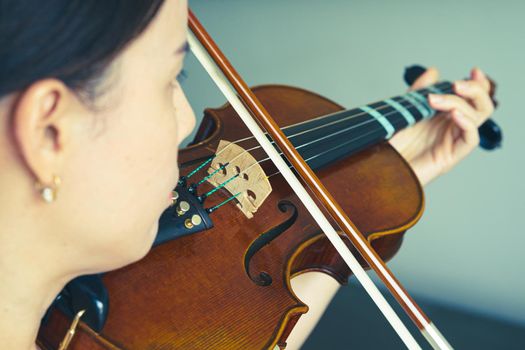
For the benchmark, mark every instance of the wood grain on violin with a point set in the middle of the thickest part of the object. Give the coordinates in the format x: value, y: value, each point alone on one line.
x: 195, y: 293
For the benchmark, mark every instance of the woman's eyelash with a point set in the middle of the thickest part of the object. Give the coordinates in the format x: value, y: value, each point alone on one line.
x: 182, y: 76
x: 178, y: 79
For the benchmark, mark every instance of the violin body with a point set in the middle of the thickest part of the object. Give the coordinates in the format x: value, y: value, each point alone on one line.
x: 194, y: 292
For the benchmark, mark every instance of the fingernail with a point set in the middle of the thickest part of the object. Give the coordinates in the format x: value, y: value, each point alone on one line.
x: 456, y: 114
x: 479, y: 73
x: 461, y: 85
x: 435, y: 98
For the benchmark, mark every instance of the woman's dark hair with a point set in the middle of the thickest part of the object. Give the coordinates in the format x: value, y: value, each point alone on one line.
x: 71, y: 40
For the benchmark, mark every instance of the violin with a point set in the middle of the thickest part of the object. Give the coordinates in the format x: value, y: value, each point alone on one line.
x: 219, y: 274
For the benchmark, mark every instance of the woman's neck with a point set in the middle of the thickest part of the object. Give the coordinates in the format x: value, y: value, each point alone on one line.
x: 26, y: 291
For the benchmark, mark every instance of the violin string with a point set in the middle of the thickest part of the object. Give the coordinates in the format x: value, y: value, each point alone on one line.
x: 212, y: 209
x: 212, y: 191
x: 224, y: 166
x: 408, y: 107
x: 201, y: 198
x: 319, y: 154
x: 266, y: 159
x: 352, y: 127
x: 202, y: 165
x: 385, y: 105
x: 206, y: 195
x: 212, y: 174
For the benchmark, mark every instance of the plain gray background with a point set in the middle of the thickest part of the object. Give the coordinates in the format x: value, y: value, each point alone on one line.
x: 468, y: 249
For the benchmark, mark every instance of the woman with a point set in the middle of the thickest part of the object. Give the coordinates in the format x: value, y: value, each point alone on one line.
x: 91, y: 117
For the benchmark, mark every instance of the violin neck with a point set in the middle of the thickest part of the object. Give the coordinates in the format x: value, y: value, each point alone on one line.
x: 326, y: 139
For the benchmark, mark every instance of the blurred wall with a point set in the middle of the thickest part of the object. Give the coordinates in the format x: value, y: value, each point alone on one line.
x: 467, y: 250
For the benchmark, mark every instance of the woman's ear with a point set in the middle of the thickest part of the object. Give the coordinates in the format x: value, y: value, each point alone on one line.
x: 41, y: 128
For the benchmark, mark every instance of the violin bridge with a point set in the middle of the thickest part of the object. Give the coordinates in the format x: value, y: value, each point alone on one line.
x: 251, y: 182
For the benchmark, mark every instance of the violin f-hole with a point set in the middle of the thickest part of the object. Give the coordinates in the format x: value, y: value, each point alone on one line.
x: 263, y: 279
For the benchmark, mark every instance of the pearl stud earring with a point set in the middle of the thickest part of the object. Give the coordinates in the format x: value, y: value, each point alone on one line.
x: 49, y: 192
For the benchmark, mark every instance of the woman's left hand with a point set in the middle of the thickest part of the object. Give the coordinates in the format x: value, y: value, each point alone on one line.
x: 434, y: 146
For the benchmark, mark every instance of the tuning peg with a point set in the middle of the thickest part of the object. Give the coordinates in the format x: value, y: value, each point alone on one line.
x: 412, y: 73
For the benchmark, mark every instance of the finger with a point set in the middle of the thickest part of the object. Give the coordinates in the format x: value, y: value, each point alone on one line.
x: 447, y: 144
x: 428, y: 78
x: 469, y: 129
x: 449, y: 103
x: 444, y: 152
x: 477, y: 74
x: 478, y: 96
x: 469, y: 138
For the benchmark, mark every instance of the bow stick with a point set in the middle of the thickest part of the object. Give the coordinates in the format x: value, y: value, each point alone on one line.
x: 250, y: 109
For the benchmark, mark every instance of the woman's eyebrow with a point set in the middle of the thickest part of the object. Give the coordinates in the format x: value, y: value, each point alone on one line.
x: 185, y: 47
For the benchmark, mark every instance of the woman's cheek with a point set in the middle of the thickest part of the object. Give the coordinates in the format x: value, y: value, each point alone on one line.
x: 183, y: 113
x: 166, y: 154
